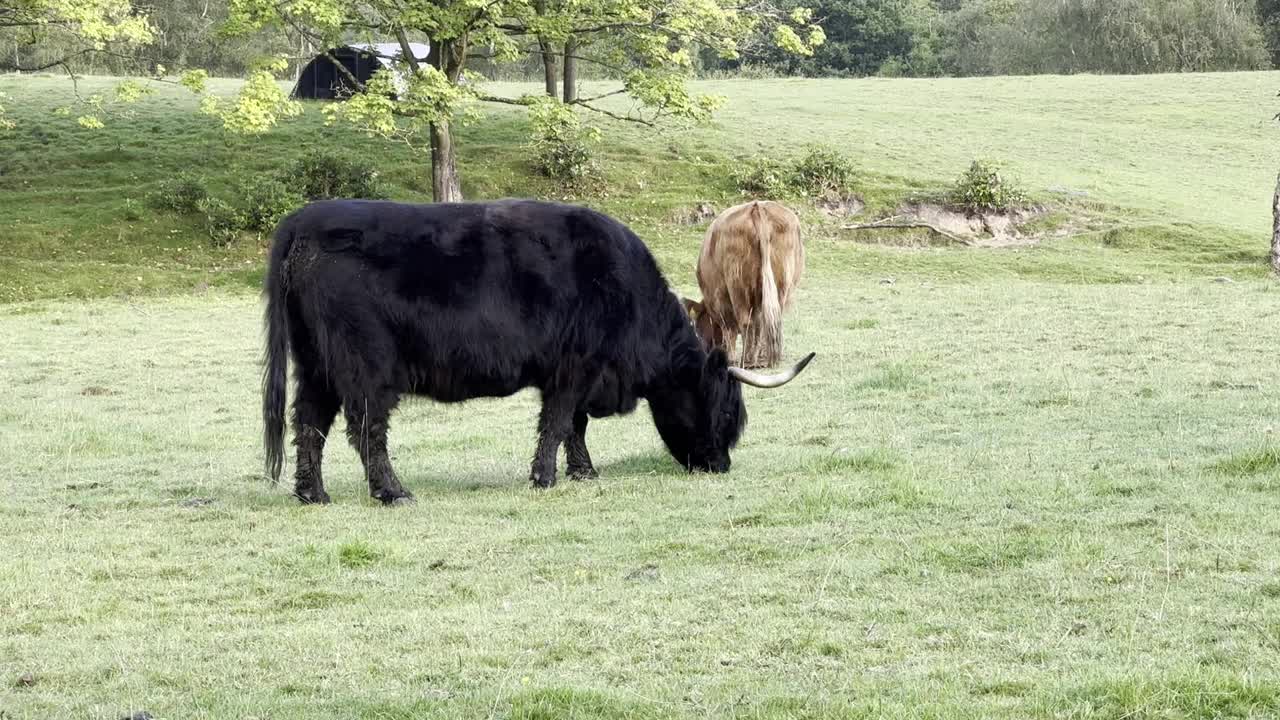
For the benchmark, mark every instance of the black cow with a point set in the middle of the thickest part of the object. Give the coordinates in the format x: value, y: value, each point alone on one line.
x: 466, y: 300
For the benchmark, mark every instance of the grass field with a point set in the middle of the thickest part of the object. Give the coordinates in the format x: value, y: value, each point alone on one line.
x: 1024, y: 483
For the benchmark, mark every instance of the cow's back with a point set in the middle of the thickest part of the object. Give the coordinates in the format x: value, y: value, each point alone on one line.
x: 730, y: 254
x: 469, y: 299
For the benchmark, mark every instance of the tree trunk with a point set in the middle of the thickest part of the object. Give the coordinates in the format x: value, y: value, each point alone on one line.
x: 570, y: 69
x: 444, y: 168
x: 1275, y: 229
x: 549, y: 67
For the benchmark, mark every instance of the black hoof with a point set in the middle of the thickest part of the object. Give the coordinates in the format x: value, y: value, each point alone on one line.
x: 391, y: 499
x: 587, y: 473
x: 312, y: 497
x: 543, y: 483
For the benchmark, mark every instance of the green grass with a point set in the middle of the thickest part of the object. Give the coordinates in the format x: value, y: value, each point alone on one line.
x: 1024, y: 483
x: 1177, y: 171
x: 940, y: 548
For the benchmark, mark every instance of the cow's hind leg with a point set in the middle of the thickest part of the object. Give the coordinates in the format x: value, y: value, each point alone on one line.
x: 555, y: 425
x: 367, y: 423
x: 313, y: 412
x: 579, y: 460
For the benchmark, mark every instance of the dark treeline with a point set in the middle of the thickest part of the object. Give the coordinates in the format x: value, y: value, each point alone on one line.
x: 1015, y: 37
x: 920, y: 38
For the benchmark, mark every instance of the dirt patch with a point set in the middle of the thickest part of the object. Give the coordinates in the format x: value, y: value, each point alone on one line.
x: 982, y: 229
x: 986, y: 229
x: 694, y: 215
x: 842, y: 207
x: 97, y: 391
x: 644, y: 572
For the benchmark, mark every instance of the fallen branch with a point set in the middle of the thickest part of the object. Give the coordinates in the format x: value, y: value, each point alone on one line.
x: 893, y: 223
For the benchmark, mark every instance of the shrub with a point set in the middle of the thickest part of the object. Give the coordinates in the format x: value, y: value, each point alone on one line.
x: 182, y: 193
x: 222, y: 222
x: 266, y: 201
x: 567, y: 160
x: 324, y: 174
x: 562, y: 146
x: 982, y: 189
x: 131, y: 210
x: 765, y: 178
x: 823, y: 172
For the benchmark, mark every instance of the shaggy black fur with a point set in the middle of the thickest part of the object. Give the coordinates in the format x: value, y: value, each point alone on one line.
x: 459, y: 301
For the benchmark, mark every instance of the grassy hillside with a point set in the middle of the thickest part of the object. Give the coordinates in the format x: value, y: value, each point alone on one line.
x: 1164, y: 177
x: 1023, y: 482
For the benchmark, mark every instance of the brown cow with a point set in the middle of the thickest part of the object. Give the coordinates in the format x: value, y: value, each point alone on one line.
x: 751, y: 261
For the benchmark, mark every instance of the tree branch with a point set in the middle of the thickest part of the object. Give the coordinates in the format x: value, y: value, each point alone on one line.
x: 501, y: 100
x: 584, y: 101
x: 624, y: 118
x: 406, y: 50
x: 14, y: 67
x: 345, y: 71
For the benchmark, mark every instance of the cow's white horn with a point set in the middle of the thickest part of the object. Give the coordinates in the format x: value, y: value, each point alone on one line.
x: 760, y: 380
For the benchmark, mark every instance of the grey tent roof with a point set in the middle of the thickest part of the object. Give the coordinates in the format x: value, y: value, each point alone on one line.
x: 392, y: 51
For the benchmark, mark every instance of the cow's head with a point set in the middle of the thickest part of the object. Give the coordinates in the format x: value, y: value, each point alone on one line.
x: 701, y: 421
x: 709, y: 333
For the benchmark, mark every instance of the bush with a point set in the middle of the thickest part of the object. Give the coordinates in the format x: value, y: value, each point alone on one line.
x: 222, y: 222
x: 266, y: 201
x: 182, y: 193
x: 765, y: 178
x: 561, y: 145
x: 131, y: 210
x: 322, y: 174
x: 823, y: 173
x: 982, y: 189
x: 567, y: 160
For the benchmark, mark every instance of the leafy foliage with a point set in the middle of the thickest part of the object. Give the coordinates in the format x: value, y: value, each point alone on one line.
x: 181, y: 194
x: 822, y: 172
x: 266, y: 201
x: 324, y: 173
x: 562, y: 145
x: 649, y: 45
x: 1128, y: 36
x: 763, y: 178
x: 222, y: 221
x: 983, y: 189
x: 1014, y: 37
x: 259, y: 106
x: 261, y: 202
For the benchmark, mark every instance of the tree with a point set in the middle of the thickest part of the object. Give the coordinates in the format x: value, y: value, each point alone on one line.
x: 1269, y: 17
x: 866, y: 37
x: 1127, y: 36
x: 68, y: 31
x: 646, y: 45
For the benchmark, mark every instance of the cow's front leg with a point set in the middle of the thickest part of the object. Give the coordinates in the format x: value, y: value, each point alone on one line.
x: 367, y: 430
x: 555, y: 424
x: 579, y: 460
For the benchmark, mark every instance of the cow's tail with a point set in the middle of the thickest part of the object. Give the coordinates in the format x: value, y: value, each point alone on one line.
x: 276, y: 354
x: 768, y: 321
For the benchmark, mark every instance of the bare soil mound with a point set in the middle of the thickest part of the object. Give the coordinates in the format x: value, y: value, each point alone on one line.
x: 694, y: 215
x: 841, y: 207
x: 975, y: 229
